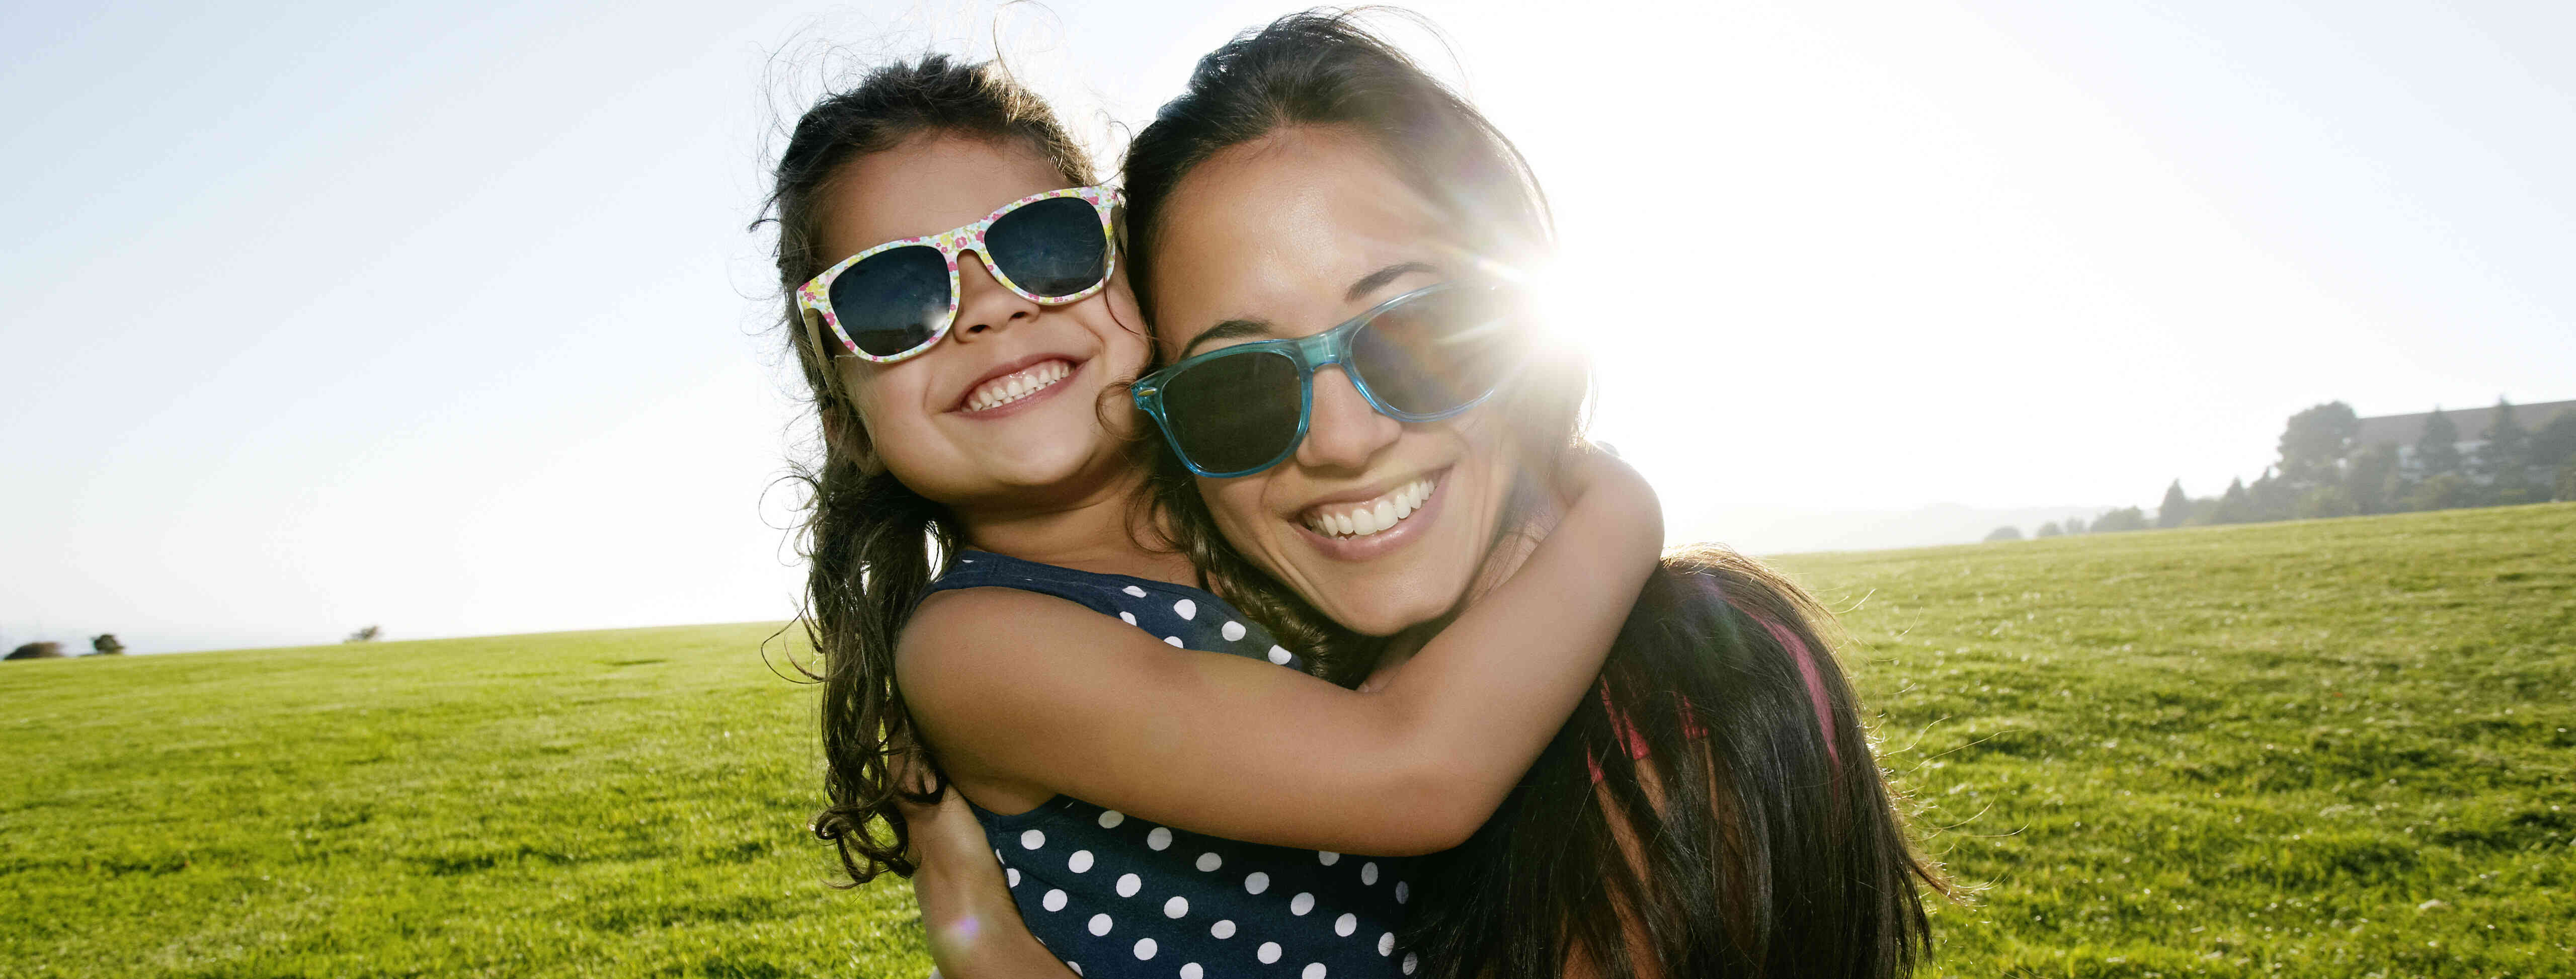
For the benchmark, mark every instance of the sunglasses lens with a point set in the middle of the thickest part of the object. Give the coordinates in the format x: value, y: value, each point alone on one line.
x: 1439, y: 351
x: 894, y: 300
x: 1052, y: 248
x: 1231, y: 414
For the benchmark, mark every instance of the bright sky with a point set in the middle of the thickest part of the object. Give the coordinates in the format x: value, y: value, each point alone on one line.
x: 315, y: 318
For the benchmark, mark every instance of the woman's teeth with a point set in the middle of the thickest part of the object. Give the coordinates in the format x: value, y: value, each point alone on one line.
x: 1016, y: 385
x: 1374, y: 516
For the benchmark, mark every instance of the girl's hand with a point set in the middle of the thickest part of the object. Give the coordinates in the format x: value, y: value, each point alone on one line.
x: 1592, y: 467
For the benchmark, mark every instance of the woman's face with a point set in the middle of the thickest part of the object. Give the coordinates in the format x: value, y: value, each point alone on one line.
x: 1287, y: 237
x: 933, y: 419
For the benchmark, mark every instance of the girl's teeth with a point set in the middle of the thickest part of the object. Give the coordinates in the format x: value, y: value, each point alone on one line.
x: 1002, y: 392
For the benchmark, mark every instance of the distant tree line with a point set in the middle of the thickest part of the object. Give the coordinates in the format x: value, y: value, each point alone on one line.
x: 2325, y: 471
x: 104, y: 644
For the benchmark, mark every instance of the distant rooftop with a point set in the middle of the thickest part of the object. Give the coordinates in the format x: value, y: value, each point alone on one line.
x: 2406, y: 429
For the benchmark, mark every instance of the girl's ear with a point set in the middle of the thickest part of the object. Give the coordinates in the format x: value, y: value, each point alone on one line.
x: 845, y: 436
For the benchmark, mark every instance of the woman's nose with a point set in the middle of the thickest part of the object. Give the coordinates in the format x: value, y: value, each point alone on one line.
x: 983, y: 303
x: 1344, y: 432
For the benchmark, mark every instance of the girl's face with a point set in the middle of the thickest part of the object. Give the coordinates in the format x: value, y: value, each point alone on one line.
x: 1052, y: 440
x: 1288, y: 237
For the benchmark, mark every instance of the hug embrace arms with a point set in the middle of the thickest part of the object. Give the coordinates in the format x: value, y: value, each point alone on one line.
x: 1702, y: 801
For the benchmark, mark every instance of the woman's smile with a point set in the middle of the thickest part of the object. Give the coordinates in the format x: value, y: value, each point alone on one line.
x: 1365, y: 523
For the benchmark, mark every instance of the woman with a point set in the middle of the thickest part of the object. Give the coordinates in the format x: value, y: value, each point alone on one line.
x: 1716, y: 809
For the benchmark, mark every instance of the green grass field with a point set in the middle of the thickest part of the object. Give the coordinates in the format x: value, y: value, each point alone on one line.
x: 2315, y: 749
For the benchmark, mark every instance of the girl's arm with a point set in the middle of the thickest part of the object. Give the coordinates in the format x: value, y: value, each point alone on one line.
x: 1024, y: 696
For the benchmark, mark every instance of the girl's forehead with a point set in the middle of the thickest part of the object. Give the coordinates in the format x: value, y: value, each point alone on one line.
x: 926, y: 185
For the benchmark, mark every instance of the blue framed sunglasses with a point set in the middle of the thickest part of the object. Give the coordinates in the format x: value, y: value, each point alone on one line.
x: 1422, y: 356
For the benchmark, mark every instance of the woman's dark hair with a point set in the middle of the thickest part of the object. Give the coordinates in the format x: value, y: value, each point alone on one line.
x: 871, y: 542
x: 1762, y: 839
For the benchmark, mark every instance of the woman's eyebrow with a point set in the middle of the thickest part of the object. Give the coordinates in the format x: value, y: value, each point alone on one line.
x: 1374, y: 281
x: 1228, y: 330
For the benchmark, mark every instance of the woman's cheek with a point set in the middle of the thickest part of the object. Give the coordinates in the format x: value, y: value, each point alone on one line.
x: 1236, y: 505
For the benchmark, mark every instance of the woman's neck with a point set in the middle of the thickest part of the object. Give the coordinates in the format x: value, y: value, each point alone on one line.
x: 1089, y: 532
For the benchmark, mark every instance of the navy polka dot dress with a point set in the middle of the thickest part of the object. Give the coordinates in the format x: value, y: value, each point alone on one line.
x: 1117, y: 897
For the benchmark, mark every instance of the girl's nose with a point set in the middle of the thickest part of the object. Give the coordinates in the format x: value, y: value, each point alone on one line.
x: 983, y: 303
x: 1344, y: 432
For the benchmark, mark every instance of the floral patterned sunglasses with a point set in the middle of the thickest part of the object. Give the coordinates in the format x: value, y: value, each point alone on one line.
x: 895, y: 300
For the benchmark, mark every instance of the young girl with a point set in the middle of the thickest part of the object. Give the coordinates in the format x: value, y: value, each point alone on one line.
x: 1715, y: 809
x: 979, y: 520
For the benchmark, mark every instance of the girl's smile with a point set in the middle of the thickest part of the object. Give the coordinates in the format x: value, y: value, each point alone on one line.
x: 1015, y: 387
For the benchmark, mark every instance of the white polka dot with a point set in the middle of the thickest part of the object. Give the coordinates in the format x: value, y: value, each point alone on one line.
x: 1278, y: 655
x: 1400, y: 890
x: 1100, y: 924
x: 1314, y: 970
x: 1186, y: 609
x: 1133, y: 590
x: 1145, y: 949
x: 1192, y: 971
x: 1269, y: 953
x: 1075, y: 966
x: 1411, y: 960
x: 1013, y: 873
x: 1210, y: 861
x: 1159, y: 839
x: 1176, y: 907
x: 1054, y: 901
x: 1346, y: 924
x: 1386, y: 944
x: 1032, y: 840
x: 1327, y: 857
x: 997, y: 856
x: 1174, y: 641
x: 1110, y: 818
x: 1222, y: 929
x: 1301, y: 904
x: 1127, y: 617
x: 1081, y: 861
x: 1233, y: 631
x: 1368, y: 872
x: 1256, y: 883
x: 1128, y: 884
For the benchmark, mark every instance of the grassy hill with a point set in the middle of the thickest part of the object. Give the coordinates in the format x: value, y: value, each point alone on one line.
x: 2314, y: 749
x: 609, y: 803
x: 2327, y: 748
